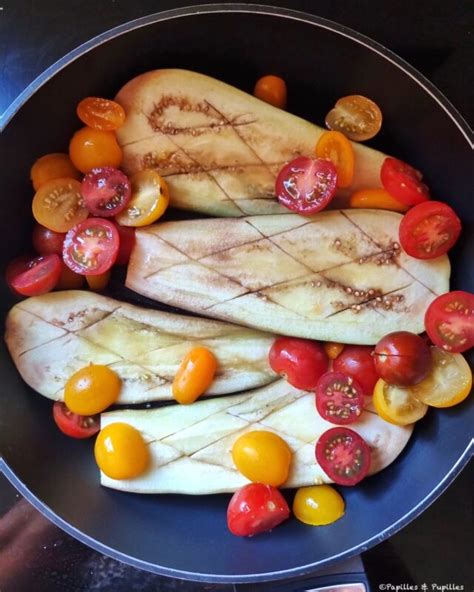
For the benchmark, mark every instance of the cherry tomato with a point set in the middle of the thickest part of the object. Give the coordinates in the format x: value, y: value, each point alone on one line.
x: 33, y: 276
x: 194, y: 375
x: 299, y: 361
x: 106, y: 191
x: 449, y: 321
x: 358, y: 361
x: 402, y: 358
x: 318, y: 505
x: 73, y: 425
x: 52, y: 166
x: 92, y: 389
x: 306, y: 185
x: 339, y: 398
x: 448, y: 383
x: 333, y: 349
x: 121, y: 452
x: 403, y: 182
x: 256, y: 508
x: 68, y: 280
x: 101, y: 114
x: 335, y: 147
x: 262, y: 456
x: 272, y: 90
x: 127, y: 242
x: 356, y: 116
x: 397, y: 405
x: 98, y: 282
x: 429, y: 230
x: 58, y: 204
x: 377, y: 199
x: 91, y: 248
x: 343, y: 455
x: 46, y: 241
x: 150, y: 198
x: 92, y: 149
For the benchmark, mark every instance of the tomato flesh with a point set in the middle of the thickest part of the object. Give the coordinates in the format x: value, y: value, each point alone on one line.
x: 449, y: 321
x: 73, y: 425
x: 358, y: 361
x: 306, y: 185
x: 356, y: 116
x: 150, y: 199
x: 46, y: 241
x: 101, y: 114
x: 397, y: 404
x: 402, y: 358
x: 91, y: 248
x: 256, y: 508
x: 34, y: 276
x: 59, y: 205
x: 403, y: 182
x: 343, y: 455
x: 339, y: 398
x: 106, y: 191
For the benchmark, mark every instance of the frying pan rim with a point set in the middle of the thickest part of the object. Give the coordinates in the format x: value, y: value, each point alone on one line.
x: 427, y: 86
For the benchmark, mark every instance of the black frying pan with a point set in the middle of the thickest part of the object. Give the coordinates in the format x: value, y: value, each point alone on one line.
x: 183, y: 536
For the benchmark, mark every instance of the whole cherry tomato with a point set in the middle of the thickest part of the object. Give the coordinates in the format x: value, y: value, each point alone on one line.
x: 272, y: 90
x: 121, y: 452
x: 46, y: 241
x: 194, y: 375
x: 318, y: 505
x: 91, y: 149
x: 91, y: 390
x: 358, y: 361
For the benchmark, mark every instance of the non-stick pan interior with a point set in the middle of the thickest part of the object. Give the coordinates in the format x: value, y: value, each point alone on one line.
x: 187, y: 536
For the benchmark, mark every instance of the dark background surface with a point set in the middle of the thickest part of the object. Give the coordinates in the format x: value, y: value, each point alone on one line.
x: 436, y: 38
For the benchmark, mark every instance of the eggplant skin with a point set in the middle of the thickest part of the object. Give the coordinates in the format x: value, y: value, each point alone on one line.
x: 219, y: 148
x: 52, y: 336
x: 190, y: 445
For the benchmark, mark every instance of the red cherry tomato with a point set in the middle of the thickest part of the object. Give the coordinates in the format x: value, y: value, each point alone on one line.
x: 403, y: 182
x: 68, y: 280
x: 339, y: 398
x: 306, y: 185
x: 299, y: 361
x: 91, y: 247
x: 73, y: 425
x: 256, y: 508
x: 33, y: 276
x: 449, y: 321
x: 343, y: 455
x: 46, y: 241
x: 127, y: 242
x: 429, y: 230
x: 357, y: 361
x: 402, y: 358
x: 106, y: 191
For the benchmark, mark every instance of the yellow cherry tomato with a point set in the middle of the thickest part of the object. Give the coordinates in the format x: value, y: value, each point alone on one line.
x: 335, y: 147
x: 262, y: 457
x: 194, y: 375
x: 333, y: 349
x: 98, y: 282
x: 318, y: 505
x: 52, y: 166
x: 378, y: 199
x: 92, y: 148
x: 396, y: 404
x: 150, y: 198
x: 92, y: 389
x: 272, y: 90
x: 121, y: 452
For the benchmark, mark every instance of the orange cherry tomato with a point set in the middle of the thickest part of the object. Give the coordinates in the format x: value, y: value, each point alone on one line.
x: 121, y: 452
x: 92, y: 389
x: 98, y: 282
x: 194, y: 375
x: 378, y: 199
x: 357, y: 117
x: 335, y: 147
x: 91, y: 149
x: 150, y: 198
x: 58, y: 204
x: 101, y: 114
x: 333, y: 349
x: 68, y: 280
x: 272, y: 90
x: 52, y: 166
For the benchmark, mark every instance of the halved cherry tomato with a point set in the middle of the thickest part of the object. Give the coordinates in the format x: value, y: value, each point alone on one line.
x: 318, y: 505
x: 301, y: 362
x: 256, y: 508
x: 91, y: 149
x: 402, y: 358
x: 33, y: 276
x: 194, y: 375
x: 358, y: 361
x: 58, y: 204
x: 448, y: 383
x: 127, y: 242
x: 150, y: 198
x: 403, y: 182
x: 46, y: 241
x: 397, y: 405
x: 121, y: 452
x: 343, y: 455
x: 335, y: 147
x: 106, y: 191
x: 68, y: 280
x: 92, y: 389
x: 356, y: 116
x: 74, y: 425
x: 333, y: 349
x: 339, y: 398
x: 98, y: 282
x: 449, y: 321
x: 429, y: 230
x: 91, y: 248
x: 377, y: 199
x: 52, y: 166
x: 263, y: 457
x: 306, y: 185
x: 272, y: 90
x: 101, y: 114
